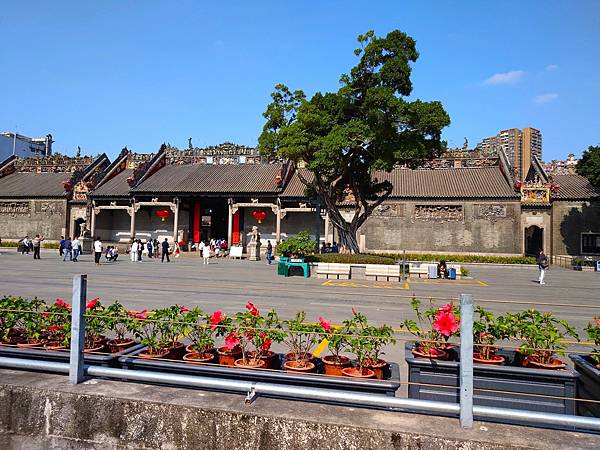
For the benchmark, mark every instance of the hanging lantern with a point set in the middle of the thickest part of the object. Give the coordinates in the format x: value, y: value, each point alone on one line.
x: 518, y: 185
x: 259, y: 215
x: 163, y: 214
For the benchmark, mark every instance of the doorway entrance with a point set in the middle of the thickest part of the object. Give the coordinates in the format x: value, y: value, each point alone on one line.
x: 534, y: 240
x: 209, y: 220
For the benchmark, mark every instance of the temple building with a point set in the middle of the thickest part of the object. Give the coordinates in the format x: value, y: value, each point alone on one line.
x: 460, y: 203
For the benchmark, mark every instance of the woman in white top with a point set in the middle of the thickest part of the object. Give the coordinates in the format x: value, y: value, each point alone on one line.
x: 205, y: 254
x: 133, y: 252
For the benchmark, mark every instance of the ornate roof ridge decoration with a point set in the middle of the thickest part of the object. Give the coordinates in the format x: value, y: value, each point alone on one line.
x: 537, y: 192
x: 117, y: 166
x: 228, y: 152
x: 83, y: 181
x: 144, y: 163
x: 55, y: 163
x: 7, y: 166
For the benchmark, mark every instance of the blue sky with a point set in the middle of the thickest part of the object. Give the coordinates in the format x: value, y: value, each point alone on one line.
x: 107, y: 74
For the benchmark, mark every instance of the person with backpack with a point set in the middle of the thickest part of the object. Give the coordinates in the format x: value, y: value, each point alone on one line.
x: 543, y: 265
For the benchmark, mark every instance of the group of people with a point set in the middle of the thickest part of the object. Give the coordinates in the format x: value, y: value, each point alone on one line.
x: 69, y: 248
x: 154, y: 249
x: 216, y: 246
x: 27, y: 245
x: 328, y: 248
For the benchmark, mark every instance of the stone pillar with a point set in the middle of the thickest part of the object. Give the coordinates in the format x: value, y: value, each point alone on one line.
x: 278, y: 225
x: 131, y: 211
x: 230, y: 224
x: 327, y: 228
x: 175, y: 219
x: 93, y: 224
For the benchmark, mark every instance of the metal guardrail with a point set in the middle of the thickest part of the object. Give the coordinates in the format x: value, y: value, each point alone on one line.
x: 465, y: 410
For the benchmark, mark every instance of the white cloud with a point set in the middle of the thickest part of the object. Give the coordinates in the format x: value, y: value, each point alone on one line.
x: 552, y: 67
x: 504, y: 78
x: 545, y: 98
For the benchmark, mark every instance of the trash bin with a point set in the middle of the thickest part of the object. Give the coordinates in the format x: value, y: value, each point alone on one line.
x: 452, y: 273
x: 432, y: 271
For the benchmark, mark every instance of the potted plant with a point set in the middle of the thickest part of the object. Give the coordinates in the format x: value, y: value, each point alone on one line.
x: 95, y: 326
x: 270, y: 332
x: 149, y: 332
x: 442, y: 323
x: 122, y: 323
x: 543, y: 335
x: 301, y: 338
x: 247, y: 330
x: 197, y: 328
x: 487, y: 331
x: 222, y: 325
x: 11, y: 320
x: 172, y: 320
x: 57, y: 325
x: 380, y: 337
x: 336, y: 343
x: 588, y: 366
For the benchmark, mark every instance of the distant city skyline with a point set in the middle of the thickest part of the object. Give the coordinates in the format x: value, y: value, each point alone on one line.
x: 136, y: 74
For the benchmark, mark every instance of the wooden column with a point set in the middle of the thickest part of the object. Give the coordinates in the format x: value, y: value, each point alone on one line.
x: 131, y: 211
x: 175, y: 219
x: 278, y: 225
x: 229, y: 224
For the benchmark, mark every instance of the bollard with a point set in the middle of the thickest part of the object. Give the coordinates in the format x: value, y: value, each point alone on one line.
x: 77, y: 329
x: 466, y: 360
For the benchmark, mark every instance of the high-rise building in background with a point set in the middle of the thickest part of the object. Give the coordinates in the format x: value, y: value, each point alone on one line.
x: 519, y: 146
x: 23, y: 146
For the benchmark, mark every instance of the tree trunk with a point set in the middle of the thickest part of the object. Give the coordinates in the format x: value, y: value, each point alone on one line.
x: 348, y: 238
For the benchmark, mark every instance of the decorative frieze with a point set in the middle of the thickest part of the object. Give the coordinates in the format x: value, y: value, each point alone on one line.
x: 14, y: 209
x: 438, y: 213
x: 389, y: 210
x: 493, y: 212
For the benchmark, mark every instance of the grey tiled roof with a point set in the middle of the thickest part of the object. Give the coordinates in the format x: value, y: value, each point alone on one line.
x: 485, y: 182
x: 575, y: 187
x: 295, y: 188
x: 33, y: 185
x: 117, y: 186
x: 241, y: 178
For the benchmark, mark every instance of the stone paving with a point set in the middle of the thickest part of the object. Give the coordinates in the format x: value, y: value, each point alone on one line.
x: 229, y: 284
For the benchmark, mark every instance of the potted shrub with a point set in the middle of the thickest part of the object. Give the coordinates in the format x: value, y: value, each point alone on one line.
x: 301, y: 338
x: 122, y: 323
x: 95, y: 326
x: 247, y: 331
x: 588, y: 366
x: 198, y: 330
x: 543, y: 335
x: 270, y: 332
x: 57, y: 325
x: 441, y: 324
x: 487, y: 331
x: 149, y: 332
x: 11, y: 320
x: 172, y: 320
x: 222, y: 325
x: 336, y: 343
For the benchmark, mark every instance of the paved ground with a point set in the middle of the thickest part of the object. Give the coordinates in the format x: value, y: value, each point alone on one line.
x: 229, y: 284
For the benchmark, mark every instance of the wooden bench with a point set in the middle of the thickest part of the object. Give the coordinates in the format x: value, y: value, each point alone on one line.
x: 382, y: 271
x: 333, y: 270
x: 419, y: 269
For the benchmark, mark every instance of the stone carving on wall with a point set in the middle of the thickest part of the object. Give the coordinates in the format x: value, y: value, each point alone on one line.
x: 14, y: 209
x: 493, y: 212
x: 226, y: 153
x: 48, y: 208
x: 439, y: 213
x: 389, y: 210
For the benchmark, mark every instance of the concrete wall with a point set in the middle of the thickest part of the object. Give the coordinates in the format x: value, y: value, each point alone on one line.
x: 20, y: 217
x: 444, y: 226
x: 570, y: 219
x: 291, y: 224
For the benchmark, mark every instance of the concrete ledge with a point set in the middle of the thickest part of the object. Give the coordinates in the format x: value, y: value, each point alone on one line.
x: 42, y: 411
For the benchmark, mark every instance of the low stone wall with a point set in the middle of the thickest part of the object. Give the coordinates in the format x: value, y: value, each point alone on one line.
x: 42, y: 411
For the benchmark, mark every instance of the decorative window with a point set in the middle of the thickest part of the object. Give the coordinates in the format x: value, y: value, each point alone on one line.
x: 590, y: 242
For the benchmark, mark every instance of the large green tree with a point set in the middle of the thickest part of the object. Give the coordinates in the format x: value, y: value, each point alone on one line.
x: 367, y: 125
x: 589, y: 165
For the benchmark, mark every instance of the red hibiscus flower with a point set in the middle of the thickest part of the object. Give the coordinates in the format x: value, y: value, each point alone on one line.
x: 266, y: 346
x: 445, y: 323
x: 325, y: 324
x: 60, y: 302
x: 216, y: 319
x: 141, y: 314
x: 232, y: 340
x: 45, y: 315
x: 54, y: 328
x: 92, y: 303
x: 253, y: 310
x: 446, y: 308
x: 354, y: 311
x: 184, y: 309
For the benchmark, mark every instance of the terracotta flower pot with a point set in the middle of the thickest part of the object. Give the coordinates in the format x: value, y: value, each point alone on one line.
x: 532, y: 361
x: 54, y: 345
x: 354, y: 372
x: 227, y: 357
x: 291, y: 356
x: 31, y: 343
x: 270, y: 359
x: 260, y: 364
x: 198, y: 358
x: 299, y: 366
x: 156, y: 354
x: 116, y: 345
x: 333, y: 365
x: 98, y: 347
x: 495, y: 360
x: 10, y: 342
x: 378, y: 367
x: 176, y: 351
x: 434, y: 353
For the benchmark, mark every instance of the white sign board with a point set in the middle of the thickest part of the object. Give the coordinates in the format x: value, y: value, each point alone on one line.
x: 235, y: 251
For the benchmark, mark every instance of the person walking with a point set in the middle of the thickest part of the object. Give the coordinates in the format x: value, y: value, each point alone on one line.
x: 165, y: 251
x: 76, y: 246
x: 140, y: 249
x: 25, y: 245
x: 36, y: 244
x: 133, y: 251
x: 543, y: 265
x: 68, y: 249
x: 269, y: 252
x: 156, y: 246
x: 61, y: 246
x: 97, y: 250
x: 205, y: 254
x: 149, y: 246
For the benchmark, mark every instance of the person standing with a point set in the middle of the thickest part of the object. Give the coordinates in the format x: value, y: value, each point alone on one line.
x: 165, y: 251
x: 205, y: 254
x: 156, y: 246
x: 68, y: 249
x: 140, y: 249
x: 36, y: 244
x: 543, y: 265
x: 25, y: 245
x: 61, y: 246
x: 269, y: 252
x: 133, y: 251
x: 97, y: 250
x: 149, y: 246
x: 76, y: 246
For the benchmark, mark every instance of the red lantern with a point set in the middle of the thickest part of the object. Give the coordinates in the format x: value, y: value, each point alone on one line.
x: 163, y: 214
x: 259, y: 215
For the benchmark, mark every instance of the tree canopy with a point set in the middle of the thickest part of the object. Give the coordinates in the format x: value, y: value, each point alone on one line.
x: 589, y: 165
x: 343, y: 137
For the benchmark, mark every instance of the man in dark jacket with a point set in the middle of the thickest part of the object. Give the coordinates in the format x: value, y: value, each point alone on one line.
x: 67, y: 250
x: 543, y: 265
x: 165, y: 251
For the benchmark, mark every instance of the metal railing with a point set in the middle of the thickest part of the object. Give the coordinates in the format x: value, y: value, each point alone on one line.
x: 465, y: 409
